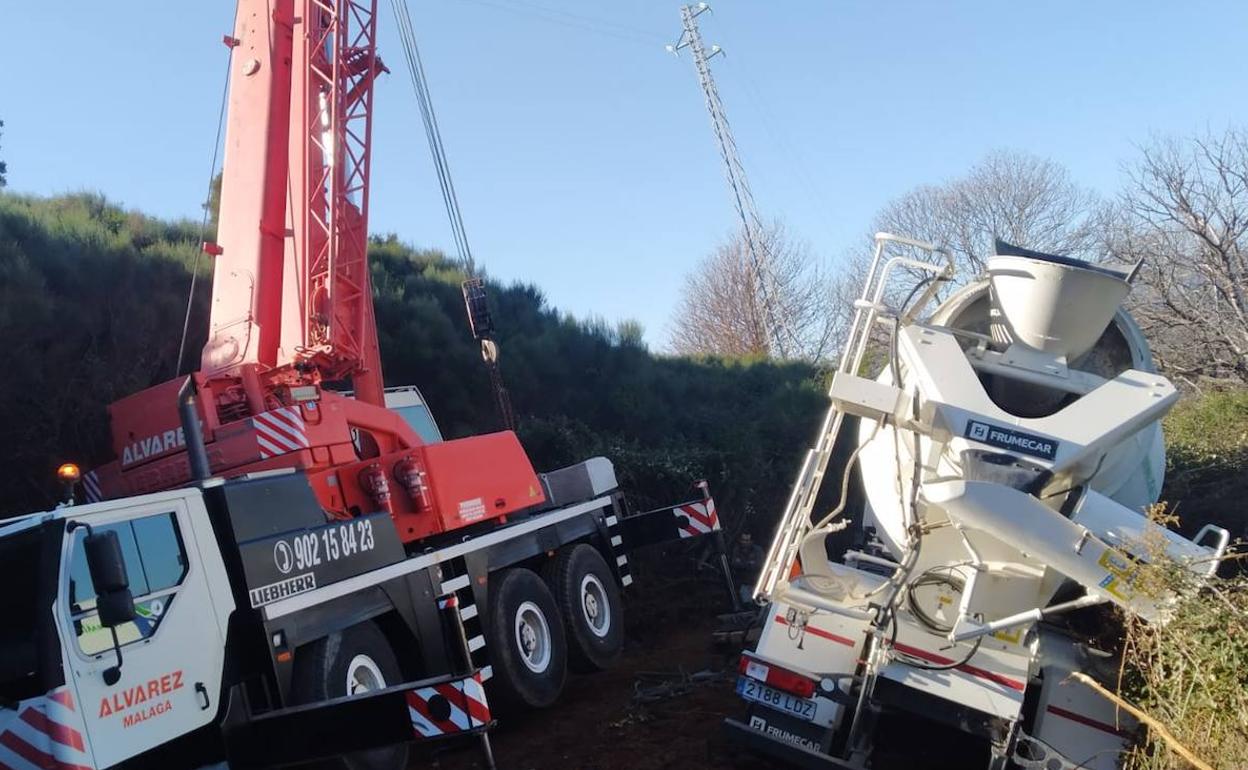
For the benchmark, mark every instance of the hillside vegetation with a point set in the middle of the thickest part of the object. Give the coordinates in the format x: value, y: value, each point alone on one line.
x: 1207, y: 460
x: 91, y: 307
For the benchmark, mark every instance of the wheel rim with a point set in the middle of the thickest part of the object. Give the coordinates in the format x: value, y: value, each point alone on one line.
x: 533, y: 637
x: 364, y: 675
x: 595, y: 607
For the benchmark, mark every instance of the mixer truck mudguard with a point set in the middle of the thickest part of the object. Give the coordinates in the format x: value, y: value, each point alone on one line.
x: 254, y: 628
x: 1007, y: 452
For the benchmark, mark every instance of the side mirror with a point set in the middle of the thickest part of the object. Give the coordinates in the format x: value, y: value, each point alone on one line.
x: 108, y: 572
x: 113, y: 600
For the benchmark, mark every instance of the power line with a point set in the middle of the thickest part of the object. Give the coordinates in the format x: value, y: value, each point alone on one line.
x: 574, y: 20
x: 592, y: 21
x: 798, y: 162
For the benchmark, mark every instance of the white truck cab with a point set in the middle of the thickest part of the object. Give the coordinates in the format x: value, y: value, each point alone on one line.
x: 235, y: 620
x: 175, y: 680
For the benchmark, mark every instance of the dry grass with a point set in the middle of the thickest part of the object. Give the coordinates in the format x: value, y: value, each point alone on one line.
x: 1190, y: 673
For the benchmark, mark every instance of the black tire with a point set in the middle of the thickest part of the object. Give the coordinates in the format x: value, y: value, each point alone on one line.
x: 523, y: 612
x: 589, y: 600
x: 320, y: 673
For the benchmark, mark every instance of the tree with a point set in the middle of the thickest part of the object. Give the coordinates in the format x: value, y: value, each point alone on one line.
x: 1020, y: 198
x: 213, y: 204
x: 630, y: 332
x: 731, y: 308
x: 1185, y: 214
x: 3, y: 167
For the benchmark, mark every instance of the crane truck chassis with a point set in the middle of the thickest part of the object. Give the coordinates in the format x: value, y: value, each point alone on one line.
x: 233, y: 619
x: 1007, y: 450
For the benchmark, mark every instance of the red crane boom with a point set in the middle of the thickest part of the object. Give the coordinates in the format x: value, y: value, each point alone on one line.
x: 292, y: 302
x: 290, y: 284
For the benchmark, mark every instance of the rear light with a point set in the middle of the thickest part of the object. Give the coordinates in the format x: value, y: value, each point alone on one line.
x: 779, y: 678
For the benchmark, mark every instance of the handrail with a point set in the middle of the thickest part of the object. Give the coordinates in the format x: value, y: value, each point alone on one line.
x: 795, y: 520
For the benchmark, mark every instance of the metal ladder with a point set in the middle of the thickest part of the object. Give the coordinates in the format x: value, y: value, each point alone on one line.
x: 795, y: 522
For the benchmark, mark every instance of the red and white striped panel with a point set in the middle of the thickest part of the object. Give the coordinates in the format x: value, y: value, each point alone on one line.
x: 91, y: 487
x: 448, y: 708
x: 280, y: 431
x: 44, y: 733
x: 702, y: 518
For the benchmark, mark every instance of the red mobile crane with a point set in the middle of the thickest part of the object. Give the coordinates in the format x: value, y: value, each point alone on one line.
x: 250, y: 589
x: 291, y: 301
x: 209, y: 609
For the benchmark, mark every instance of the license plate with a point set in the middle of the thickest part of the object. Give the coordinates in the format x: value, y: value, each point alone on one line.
x: 752, y: 689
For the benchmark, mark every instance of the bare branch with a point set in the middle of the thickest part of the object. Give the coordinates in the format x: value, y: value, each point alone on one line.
x: 1185, y: 212
x: 724, y: 309
x: 1020, y: 198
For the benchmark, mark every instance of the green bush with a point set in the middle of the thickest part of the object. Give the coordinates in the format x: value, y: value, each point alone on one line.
x: 1190, y: 673
x: 91, y: 305
x: 1207, y: 460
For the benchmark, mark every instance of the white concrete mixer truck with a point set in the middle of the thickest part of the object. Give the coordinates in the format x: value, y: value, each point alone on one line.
x: 1006, y: 449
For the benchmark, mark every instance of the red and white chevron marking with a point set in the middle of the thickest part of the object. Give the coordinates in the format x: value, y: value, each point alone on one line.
x: 702, y: 518
x: 91, y: 487
x: 280, y: 431
x: 448, y: 708
x: 44, y: 734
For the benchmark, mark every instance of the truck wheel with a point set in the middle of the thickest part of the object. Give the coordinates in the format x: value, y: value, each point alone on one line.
x: 589, y: 601
x: 526, y: 642
x: 349, y: 662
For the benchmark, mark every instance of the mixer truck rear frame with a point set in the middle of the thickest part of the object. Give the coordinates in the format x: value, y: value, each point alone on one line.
x: 1007, y: 449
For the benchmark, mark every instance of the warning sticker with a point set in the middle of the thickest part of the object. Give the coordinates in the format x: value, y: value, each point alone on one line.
x: 1120, y: 572
x: 471, y: 510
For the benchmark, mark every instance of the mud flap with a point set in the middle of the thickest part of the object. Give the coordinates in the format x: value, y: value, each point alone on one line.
x: 756, y: 740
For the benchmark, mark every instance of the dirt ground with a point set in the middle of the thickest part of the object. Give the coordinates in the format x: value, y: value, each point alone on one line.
x: 602, y: 722
x: 662, y: 706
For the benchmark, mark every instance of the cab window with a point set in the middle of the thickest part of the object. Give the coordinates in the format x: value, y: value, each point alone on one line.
x: 418, y: 416
x: 156, y: 565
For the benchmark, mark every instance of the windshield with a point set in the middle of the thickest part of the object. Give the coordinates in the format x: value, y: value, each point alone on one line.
x: 29, y: 649
x: 417, y: 416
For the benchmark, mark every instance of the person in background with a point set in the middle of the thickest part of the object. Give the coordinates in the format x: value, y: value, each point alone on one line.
x: 746, y: 559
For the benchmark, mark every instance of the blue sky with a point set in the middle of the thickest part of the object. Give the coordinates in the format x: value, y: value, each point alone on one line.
x: 581, y: 150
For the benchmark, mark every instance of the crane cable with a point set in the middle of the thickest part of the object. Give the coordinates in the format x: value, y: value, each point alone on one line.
x: 420, y: 86
x: 474, y: 286
x: 203, y: 225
